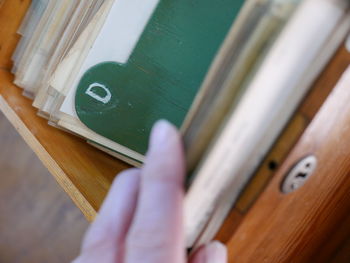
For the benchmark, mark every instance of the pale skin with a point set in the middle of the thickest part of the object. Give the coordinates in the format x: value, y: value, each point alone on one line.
x: 141, y: 219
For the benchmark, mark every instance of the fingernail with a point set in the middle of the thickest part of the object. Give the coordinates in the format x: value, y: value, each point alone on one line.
x: 216, y: 252
x: 161, y: 134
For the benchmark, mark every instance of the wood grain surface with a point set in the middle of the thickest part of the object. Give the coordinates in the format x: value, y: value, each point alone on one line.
x: 267, y: 170
x: 295, y: 227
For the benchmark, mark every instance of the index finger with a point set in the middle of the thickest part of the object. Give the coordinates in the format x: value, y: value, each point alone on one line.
x: 156, y: 234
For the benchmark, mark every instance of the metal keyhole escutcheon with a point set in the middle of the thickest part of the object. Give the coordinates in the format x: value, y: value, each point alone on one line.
x: 299, y: 174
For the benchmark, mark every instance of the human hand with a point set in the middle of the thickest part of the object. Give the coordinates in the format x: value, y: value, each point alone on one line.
x: 141, y: 219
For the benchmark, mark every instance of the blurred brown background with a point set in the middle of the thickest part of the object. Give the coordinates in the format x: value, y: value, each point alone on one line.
x: 38, y: 221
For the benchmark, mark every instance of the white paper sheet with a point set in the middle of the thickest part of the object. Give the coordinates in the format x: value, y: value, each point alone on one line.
x: 119, y: 35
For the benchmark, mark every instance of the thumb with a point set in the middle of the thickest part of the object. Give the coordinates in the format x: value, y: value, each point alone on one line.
x: 215, y: 252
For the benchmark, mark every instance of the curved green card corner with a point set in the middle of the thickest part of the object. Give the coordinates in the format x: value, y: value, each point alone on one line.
x: 162, y: 76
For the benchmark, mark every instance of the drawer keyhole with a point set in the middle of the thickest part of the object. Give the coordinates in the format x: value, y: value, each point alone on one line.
x: 302, y: 175
x: 299, y: 174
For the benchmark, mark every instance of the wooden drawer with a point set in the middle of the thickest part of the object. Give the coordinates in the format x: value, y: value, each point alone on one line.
x: 84, y: 172
x: 310, y: 225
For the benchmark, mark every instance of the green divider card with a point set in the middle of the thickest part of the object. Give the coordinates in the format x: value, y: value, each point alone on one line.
x: 162, y: 76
